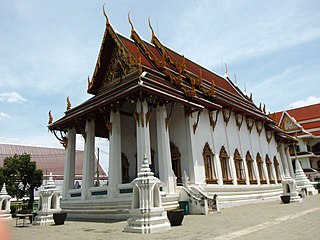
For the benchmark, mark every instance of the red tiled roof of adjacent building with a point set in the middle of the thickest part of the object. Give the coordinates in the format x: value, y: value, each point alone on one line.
x: 48, y: 159
x: 308, y: 117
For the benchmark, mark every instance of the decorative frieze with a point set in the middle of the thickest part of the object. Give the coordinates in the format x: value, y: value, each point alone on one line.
x: 250, y: 123
x: 239, y: 120
x: 226, y: 115
x: 213, y: 119
x: 268, y: 136
x: 195, y: 125
x: 259, y: 127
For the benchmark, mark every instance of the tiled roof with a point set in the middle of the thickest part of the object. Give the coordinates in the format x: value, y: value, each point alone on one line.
x: 305, y: 113
x: 308, y: 117
x: 48, y: 159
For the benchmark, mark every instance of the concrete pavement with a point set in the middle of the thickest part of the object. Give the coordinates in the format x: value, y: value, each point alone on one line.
x: 270, y: 220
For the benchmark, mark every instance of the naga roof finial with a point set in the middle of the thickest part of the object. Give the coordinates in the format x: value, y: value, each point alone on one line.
x: 50, y: 118
x: 149, y: 22
x: 132, y: 28
x: 105, y: 15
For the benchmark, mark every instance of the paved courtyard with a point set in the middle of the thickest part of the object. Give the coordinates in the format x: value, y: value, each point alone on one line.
x: 270, y: 220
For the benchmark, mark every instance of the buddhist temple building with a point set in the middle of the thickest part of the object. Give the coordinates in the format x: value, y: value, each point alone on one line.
x: 304, y: 124
x: 203, y: 137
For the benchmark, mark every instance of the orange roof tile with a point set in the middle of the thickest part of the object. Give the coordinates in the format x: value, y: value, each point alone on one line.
x: 305, y: 113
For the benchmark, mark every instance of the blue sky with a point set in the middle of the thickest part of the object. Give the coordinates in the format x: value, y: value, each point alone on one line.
x: 49, y: 48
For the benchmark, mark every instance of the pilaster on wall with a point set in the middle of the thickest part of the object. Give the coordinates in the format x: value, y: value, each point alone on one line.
x: 261, y: 132
x: 69, y: 164
x: 164, y: 154
x: 192, y: 164
x: 88, y: 160
x: 242, y: 152
x: 115, y: 173
x: 255, y: 165
x: 143, y: 133
x: 231, y: 159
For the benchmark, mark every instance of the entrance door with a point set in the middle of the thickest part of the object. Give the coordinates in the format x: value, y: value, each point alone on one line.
x: 176, y: 162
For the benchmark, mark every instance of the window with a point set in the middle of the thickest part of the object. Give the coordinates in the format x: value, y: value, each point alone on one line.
x: 269, y: 170
x: 224, y: 160
x: 208, y: 158
x: 276, y: 168
x: 260, y: 169
x: 249, y: 162
x: 238, y: 162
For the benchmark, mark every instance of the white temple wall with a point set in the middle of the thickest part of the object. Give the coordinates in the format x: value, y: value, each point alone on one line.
x: 264, y: 145
x: 302, y: 146
x: 201, y: 137
x: 274, y: 153
x: 219, y: 135
x: 244, y: 138
x: 305, y: 163
x: 233, y: 140
x: 178, y: 135
x: 255, y: 143
x: 129, y: 143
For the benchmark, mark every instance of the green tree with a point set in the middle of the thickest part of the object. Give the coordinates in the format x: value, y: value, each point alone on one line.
x: 21, y: 176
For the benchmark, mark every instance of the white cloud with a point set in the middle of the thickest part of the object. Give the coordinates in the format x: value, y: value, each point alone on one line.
x: 301, y: 103
x: 11, y: 97
x: 216, y: 40
x: 4, y: 115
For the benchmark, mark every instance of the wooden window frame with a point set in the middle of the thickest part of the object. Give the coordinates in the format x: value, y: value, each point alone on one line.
x: 277, y: 169
x: 249, y: 161
x: 260, y: 169
x: 225, y: 168
x: 269, y: 170
x: 238, y: 162
x: 208, y: 160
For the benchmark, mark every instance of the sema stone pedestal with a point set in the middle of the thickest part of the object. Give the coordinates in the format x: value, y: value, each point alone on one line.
x: 290, y: 188
x: 147, y: 213
x: 49, y: 203
x: 4, y: 203
x: 303, y: 182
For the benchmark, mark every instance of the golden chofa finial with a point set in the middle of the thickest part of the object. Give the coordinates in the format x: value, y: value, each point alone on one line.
x: 50, y: 118
x: 132, y: 28
x: 68, y: 104
x: 149, y: 22
x: 105, y: 15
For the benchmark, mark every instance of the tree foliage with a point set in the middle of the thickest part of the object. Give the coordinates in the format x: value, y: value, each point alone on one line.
x: 21, y: 177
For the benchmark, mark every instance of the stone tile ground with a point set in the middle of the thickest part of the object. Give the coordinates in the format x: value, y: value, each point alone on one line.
x: 270, y: 220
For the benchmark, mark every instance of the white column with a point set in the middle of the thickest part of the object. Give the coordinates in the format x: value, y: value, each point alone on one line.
x: 115, y: 171
x: 143, y: 134
x: 164, y: 154
x: 218, y: 167
x: 88, y: 160
x: 192, y: 164
x: 283, y: 159
x: 69, y: 164
x: 289, y: 162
